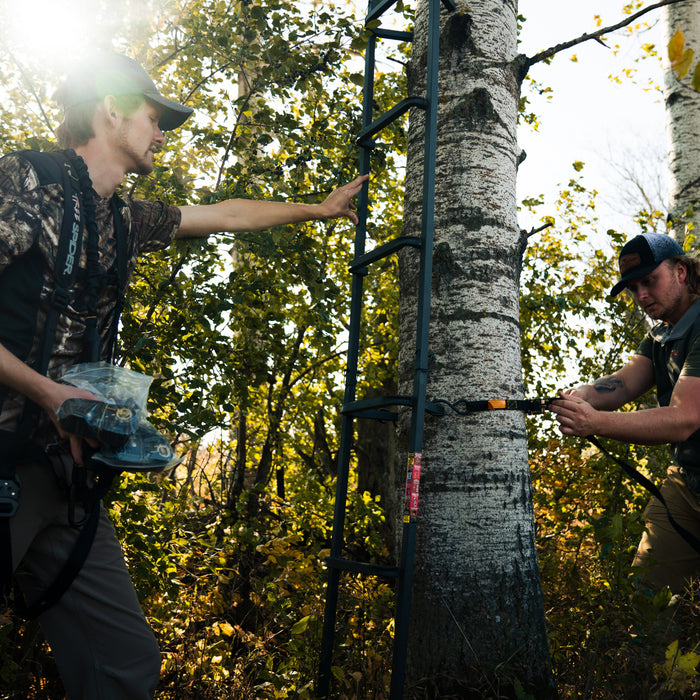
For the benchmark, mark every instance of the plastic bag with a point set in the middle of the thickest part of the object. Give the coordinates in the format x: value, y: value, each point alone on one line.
x: 112, y: 384
x: 118, y: 419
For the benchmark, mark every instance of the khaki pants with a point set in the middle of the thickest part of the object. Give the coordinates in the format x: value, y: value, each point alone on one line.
x: 667, y: 559
x: 103, y: 646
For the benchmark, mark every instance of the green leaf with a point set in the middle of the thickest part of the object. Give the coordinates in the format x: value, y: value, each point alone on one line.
x: 300, y: 626
x: 696, y: 78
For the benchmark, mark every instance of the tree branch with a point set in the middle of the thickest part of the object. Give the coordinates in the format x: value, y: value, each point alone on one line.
x: 548, y: 53
x: 533, y: 231
x: 30, y: 86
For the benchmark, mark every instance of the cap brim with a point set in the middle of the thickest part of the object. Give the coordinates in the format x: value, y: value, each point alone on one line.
x: 173, y: 115
x: 634, y: 274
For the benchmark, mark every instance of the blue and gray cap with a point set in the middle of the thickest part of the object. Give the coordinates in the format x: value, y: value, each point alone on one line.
x: 642, y: 254
x: 115, y: 74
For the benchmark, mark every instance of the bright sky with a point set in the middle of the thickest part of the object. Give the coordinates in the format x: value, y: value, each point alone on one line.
x: 589, y: 117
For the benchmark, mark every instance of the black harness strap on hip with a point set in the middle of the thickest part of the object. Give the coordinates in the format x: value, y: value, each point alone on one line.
x: 633, y: 473
x: 76, y: 558
x: 65, y: 577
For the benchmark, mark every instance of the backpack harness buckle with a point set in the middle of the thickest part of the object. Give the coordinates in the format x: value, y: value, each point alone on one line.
x: 10, y: 490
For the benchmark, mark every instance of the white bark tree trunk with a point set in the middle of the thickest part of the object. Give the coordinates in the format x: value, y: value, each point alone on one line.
x: 683, y: 124
x: 476, y: 598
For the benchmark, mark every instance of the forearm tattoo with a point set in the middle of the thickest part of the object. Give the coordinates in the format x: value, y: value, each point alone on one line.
x: 606, y: 385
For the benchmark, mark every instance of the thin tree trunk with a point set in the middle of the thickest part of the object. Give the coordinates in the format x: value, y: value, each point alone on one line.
x: 477, y: 615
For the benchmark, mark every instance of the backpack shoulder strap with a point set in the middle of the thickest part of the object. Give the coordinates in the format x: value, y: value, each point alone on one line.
x: 45, y: 166
x: 51, y: 168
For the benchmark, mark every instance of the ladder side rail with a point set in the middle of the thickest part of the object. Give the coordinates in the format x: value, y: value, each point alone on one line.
x: 406, y: 565
x: 347, y: 421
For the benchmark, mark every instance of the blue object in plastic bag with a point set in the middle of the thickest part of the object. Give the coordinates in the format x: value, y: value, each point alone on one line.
x: 117, y: 418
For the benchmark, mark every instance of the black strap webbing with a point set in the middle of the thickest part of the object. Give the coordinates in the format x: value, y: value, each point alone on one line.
x: 92, y: 499
x: 65, y: 270
x: 65, y: 576
x: 652, y: 488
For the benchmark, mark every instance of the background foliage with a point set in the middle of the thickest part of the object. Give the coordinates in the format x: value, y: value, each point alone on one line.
x: 244, y: 337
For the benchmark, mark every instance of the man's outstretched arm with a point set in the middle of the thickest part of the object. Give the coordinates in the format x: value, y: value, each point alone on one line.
x: 255, y: 215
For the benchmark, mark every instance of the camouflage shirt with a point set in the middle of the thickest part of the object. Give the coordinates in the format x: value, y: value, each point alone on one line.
x: 31, y: 215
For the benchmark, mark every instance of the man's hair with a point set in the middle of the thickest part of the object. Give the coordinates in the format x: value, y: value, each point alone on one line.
x: 76, y: 128
x: 692, y: 266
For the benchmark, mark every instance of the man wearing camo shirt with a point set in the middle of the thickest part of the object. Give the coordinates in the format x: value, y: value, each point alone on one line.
x: 114, y: 122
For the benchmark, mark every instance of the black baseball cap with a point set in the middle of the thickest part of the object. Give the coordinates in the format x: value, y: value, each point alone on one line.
x: 642, y: 254
x: 115, y: 74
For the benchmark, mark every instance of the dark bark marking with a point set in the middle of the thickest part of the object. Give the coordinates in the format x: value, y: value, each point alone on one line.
x: 476, y: 110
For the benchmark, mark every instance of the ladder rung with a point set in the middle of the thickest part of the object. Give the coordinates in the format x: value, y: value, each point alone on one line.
x: 392, y: 34
x: 394, y: 113
x: 384, y: 251
x: 358, y: 567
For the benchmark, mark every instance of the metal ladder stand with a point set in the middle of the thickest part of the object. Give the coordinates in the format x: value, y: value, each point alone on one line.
x: 377, y: 408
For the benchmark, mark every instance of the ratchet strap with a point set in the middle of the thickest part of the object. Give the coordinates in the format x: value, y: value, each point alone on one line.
x: 464, y: 407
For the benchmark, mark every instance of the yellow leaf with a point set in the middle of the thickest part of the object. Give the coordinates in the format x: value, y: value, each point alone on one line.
x: 675, y: 46
x: 672, y: 649
x: 683, y: 65
x: 226, y: 629
x: 300, y: 626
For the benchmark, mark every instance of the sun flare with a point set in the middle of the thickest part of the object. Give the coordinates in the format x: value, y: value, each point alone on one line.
x: 50, y: 31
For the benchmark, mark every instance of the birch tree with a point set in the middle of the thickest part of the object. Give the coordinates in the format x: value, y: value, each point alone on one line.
x: 683, y: 120
x: 477, y: 599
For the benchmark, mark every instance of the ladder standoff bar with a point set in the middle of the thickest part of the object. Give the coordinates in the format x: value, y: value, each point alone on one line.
x: 358, y: 567
x: 378, y: 9
x: 383, y: 5
x: 394, y: 113
x: 384, y: 251
x: 365, y: 407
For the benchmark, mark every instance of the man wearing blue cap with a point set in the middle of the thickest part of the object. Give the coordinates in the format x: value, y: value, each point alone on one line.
x: 114, y: 119
x: 665, y: 283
